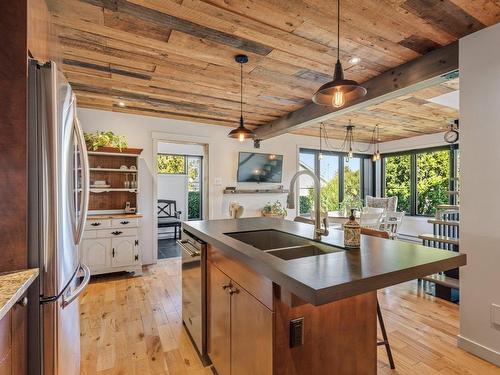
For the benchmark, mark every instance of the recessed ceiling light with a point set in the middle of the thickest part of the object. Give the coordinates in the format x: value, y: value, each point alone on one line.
x: 121, y: 104
x: 354, y: 60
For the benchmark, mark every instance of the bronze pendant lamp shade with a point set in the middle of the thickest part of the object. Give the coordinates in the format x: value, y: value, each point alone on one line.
x: 338, y: 92
x: 241, y: 132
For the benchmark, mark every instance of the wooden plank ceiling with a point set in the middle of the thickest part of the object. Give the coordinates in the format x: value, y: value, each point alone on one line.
x: 174, y: 58
x: 403, y: 117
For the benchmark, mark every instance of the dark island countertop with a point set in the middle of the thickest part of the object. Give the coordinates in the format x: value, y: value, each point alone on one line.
x: 321, y: 279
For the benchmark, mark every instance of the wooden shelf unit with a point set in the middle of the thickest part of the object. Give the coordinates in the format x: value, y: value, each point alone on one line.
x: 105, y: 164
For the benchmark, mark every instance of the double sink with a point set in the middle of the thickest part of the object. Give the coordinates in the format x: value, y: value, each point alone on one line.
x: 283, y: 245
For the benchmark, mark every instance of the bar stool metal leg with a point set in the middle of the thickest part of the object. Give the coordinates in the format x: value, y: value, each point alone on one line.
x: 385, y: 340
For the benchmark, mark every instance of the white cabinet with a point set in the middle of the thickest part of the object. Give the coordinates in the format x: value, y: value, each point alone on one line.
x: 111, y: 244
x: 124, y: 251
x: 95, y: 253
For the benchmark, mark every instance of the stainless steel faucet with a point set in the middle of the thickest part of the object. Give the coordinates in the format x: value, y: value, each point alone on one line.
x: 290, y: 203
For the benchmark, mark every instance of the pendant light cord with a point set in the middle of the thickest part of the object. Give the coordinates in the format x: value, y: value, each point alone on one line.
x: 241, y: 91
x: 338, y: 29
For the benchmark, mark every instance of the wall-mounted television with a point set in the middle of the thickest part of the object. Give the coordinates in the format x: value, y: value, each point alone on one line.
x: 257, y: 167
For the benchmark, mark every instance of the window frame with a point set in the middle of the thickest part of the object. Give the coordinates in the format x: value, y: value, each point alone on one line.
x: 341, y: 165
x: 452, y: 149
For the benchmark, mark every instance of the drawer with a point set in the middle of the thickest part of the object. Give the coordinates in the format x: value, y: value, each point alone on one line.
x: 118, y: 232
x: 125, y: 223
x: 89, y: 234
x: 98, y: 224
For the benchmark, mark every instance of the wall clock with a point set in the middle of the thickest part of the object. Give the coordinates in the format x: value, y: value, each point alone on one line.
x: 451, y: 136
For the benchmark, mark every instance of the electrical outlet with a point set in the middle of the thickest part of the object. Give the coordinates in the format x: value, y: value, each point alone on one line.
x: 296, y: 332
x: 495, y: 314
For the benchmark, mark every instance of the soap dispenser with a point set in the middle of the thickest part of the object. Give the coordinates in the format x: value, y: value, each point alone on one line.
x: 352, y: 232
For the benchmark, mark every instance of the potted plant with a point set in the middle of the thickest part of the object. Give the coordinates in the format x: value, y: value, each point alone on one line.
x: 99, y: 140
x: 274, y: 210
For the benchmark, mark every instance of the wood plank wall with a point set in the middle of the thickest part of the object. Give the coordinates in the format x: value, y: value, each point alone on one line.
x: 17, y: 36
x: 13, y: 158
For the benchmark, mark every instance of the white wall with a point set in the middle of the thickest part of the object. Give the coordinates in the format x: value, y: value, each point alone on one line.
x: 223, y: 161
x: 413, y: 143
x: 479, y: 198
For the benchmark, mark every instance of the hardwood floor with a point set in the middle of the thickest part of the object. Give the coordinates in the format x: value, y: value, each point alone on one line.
x: 133, y: 326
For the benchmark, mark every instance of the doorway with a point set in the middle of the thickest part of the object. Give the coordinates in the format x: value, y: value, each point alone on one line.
x: 180, y: 192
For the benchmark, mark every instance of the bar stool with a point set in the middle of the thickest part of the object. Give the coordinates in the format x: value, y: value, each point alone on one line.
x: 385, y: 341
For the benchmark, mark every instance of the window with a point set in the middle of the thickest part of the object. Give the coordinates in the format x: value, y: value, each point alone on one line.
x: 306, y: 184
x: 171, y: 164
x: 397, y: 180
x: 352, y: 180
x: 194, y: 167
x: 341, y: 180
x: 421, y: 179
x: 433, y: 179
x: 330, y: 182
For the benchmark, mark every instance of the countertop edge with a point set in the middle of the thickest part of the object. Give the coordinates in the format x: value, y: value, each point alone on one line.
x: 326, y: 295
x: 14, y: 296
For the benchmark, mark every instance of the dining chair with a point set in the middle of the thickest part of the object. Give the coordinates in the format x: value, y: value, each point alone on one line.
x: 168, y: 216
x: 370, y: 220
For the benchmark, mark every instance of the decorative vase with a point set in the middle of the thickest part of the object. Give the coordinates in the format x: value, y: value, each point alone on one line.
x: 352, y: 232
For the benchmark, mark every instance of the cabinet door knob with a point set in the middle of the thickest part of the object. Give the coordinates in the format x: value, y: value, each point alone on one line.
x: 117, y: 232
x: 23, y: 301
x: 234, y: 291
x: 113, y: 252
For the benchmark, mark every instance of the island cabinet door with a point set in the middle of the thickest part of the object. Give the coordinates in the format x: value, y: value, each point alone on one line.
x: 219, y: 317
x: 251, y: 334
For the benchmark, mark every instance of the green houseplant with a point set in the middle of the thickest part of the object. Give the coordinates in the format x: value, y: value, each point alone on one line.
x: 104, y: 139
x: 274, y: 210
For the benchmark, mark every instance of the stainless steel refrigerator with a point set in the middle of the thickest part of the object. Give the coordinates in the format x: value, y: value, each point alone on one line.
x: 58, y: 183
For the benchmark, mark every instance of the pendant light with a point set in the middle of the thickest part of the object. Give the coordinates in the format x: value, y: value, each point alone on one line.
x: 241, y: 132
x: 337, y: 92
x: 349, y: 141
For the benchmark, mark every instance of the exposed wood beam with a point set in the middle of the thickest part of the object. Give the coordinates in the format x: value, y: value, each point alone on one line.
x: 428, y: 70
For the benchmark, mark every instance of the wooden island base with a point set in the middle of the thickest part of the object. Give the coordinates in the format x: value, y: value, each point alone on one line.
x: 249, y: 327
x: 339, y: 337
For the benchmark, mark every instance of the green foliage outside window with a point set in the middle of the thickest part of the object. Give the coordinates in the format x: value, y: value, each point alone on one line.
x: 432, y: 180
x: 433, y: 171
x: 305, y: 204
x: 397, y: 180
x: 194, y: 200
x: 330, y: 192
x: 171, y: 164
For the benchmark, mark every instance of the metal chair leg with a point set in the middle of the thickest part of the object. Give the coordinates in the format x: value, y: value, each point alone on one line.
x: 385, y: 340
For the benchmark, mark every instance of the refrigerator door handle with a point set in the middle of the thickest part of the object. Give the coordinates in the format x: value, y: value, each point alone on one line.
x: 66, y: 300
x: 84, y: 202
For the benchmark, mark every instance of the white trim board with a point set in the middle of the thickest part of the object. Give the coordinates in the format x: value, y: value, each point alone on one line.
x: 479, y: 350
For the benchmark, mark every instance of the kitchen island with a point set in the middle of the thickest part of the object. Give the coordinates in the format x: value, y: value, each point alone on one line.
x: 280, y: 303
